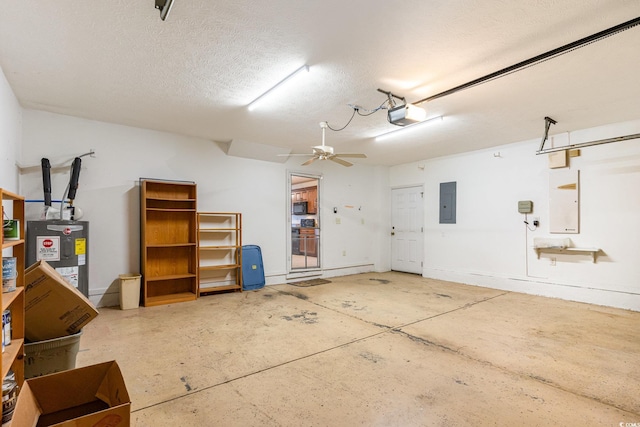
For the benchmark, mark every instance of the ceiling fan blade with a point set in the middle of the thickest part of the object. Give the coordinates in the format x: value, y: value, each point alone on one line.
x: 352, y: 155
x: 308, y: 162
x: 340, y: 161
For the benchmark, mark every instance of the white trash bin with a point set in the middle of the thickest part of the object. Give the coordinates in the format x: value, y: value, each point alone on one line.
x: 129, y: 291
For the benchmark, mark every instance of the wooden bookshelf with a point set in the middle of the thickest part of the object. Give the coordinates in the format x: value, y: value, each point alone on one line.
x: 168, y: 227
x: 13, y: 355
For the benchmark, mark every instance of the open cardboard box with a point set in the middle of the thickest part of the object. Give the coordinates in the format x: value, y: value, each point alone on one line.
x: 53, y: 307
x: 93, y: 396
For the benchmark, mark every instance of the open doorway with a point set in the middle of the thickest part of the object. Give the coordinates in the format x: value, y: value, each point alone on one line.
x: 305, y: 222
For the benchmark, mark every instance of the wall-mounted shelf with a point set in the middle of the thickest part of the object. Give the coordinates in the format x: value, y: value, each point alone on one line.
x: 562, y: 246
x: 570, y: 251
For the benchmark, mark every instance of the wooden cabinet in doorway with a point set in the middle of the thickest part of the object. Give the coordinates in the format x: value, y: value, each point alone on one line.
x: 312, y: 200
x: 309, y: 195
x: 308, y: 242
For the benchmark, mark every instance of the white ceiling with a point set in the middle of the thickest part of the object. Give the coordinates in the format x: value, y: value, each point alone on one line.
x: 194, y: 73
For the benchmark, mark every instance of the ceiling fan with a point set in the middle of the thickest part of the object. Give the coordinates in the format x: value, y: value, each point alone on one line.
x: 325, y: 152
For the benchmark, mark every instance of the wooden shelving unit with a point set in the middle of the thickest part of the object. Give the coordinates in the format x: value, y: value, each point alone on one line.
x: 220, y: 252
x: 13, y: 355
x: 168, y: 228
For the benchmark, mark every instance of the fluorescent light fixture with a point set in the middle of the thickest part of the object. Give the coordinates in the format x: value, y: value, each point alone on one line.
x: 406, y: 128
x: 165, y: 7
x: 253, y: 104
x: 407, y: 114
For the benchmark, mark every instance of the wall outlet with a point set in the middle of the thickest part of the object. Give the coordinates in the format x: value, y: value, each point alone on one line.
x: 344, y: 253
x: 93, y: 153
x: 552, y: 261
x: 337, y: 220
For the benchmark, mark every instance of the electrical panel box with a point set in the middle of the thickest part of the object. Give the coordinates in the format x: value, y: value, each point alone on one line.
x: 448, y: 202
x: 525, y: 206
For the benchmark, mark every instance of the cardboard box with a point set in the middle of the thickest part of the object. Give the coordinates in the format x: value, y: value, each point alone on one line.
x: 53, y: 308
x: 93, y: 396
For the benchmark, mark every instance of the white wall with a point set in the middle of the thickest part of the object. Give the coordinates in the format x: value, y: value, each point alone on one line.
x: 108, y: 194
x: 360, y: 216
x: 10, y: 135
x: 490, y: 245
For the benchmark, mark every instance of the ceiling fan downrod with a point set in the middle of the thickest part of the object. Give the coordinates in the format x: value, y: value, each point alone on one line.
x: 323, y: 126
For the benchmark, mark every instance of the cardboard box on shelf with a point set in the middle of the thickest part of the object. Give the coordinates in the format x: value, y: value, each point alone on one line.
x: 53, y: 307
x: 92, y: 396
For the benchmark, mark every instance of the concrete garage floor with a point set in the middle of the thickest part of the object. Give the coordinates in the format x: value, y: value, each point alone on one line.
x: 388, y: 349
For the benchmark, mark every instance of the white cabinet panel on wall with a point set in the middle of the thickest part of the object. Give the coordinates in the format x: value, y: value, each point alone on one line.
x: 564, y: 201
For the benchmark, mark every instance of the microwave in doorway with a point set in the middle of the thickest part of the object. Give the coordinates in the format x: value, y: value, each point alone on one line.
x: 299, y: 208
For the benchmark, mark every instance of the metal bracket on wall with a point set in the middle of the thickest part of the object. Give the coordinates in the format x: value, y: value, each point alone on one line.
x: 548, y: 121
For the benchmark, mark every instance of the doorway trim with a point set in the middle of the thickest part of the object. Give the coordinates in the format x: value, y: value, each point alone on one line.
x: 294, y: 273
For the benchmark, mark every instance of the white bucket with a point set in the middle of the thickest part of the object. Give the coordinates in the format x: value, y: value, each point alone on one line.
x: 49, y: 356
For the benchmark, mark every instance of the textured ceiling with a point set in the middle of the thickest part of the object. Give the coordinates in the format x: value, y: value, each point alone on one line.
x: 194, y: 73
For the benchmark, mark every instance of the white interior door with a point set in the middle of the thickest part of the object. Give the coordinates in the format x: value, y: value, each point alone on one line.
x: 407, y: 229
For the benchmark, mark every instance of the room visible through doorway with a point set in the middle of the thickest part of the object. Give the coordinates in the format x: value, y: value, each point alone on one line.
x: 305, y: 222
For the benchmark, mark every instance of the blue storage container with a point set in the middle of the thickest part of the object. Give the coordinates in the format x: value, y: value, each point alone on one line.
x: 252, y: 268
